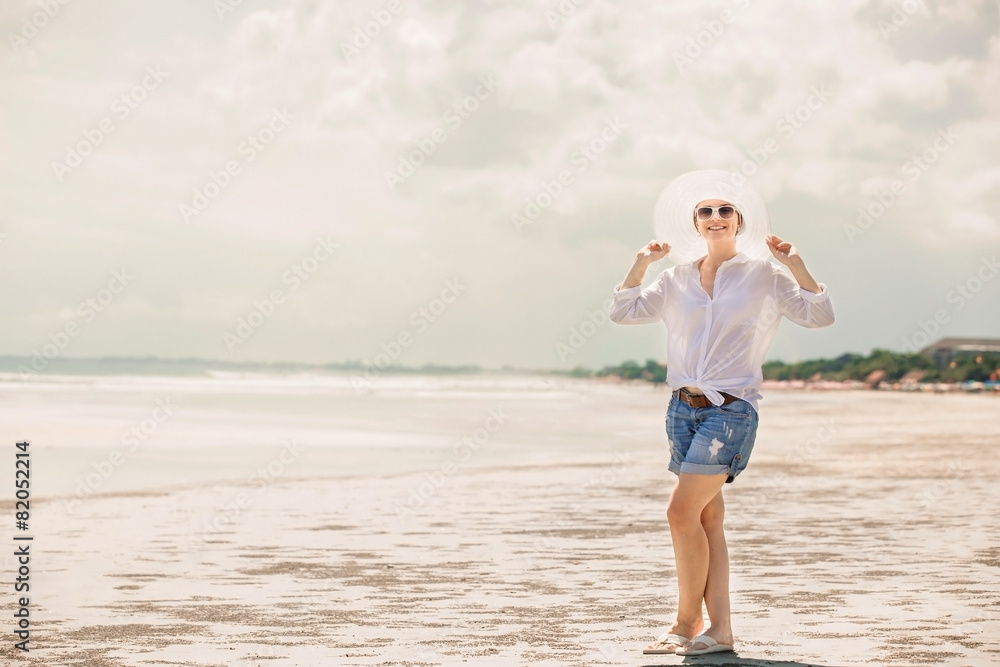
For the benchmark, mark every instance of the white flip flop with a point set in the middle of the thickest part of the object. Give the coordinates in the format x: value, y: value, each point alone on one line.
x: 667, y: 638
x: 711, y: 646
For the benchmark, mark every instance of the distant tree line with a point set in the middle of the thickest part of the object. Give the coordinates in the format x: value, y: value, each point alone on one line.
x: 964, y: 368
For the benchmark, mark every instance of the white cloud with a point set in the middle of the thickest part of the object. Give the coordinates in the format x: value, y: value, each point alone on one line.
x: 354, y: 119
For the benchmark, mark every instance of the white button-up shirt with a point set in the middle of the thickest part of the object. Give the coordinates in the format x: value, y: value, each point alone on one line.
x: 718, y: 343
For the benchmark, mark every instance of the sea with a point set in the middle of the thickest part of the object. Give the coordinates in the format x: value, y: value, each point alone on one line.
x: 126, y: 425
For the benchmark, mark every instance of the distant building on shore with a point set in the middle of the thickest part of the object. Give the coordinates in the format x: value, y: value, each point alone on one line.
x: 946, y: 350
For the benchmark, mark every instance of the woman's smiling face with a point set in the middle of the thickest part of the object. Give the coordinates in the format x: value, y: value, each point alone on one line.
x: 715, y: 226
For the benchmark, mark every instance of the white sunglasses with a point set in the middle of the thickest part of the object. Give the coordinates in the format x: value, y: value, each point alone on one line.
x: 726, y: 211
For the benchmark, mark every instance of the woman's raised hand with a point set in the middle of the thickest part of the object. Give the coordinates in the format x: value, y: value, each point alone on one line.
x: 783, y: 251
x: 653, y: 251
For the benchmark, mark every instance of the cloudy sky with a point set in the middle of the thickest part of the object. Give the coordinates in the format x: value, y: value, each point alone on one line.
x: 170, y: 169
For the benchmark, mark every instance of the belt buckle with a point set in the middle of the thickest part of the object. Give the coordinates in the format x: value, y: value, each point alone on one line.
x: 691, y: 399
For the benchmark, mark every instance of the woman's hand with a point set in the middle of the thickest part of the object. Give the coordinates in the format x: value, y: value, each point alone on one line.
x: 786, y: 253
x: 653, y: 251
x: 783, y: 251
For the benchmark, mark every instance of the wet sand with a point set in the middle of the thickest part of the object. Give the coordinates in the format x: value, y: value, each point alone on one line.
x: 864, y: 531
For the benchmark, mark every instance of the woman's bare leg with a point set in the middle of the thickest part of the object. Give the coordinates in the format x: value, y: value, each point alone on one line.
x: 717, y: 582
x: 688, y: 500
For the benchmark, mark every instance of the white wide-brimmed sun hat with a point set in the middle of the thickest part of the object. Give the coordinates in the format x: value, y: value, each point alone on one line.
x: 674, y: 214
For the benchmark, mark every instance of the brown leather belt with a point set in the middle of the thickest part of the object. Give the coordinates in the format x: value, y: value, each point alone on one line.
x: 701, y: 400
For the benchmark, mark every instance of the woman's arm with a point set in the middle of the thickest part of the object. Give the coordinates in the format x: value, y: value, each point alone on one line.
x: 788, y: 255
x: 651, y: 252
x: 802, y: 300
x: 632, y: 305
x: 803, y: 277
x: 635, y: 273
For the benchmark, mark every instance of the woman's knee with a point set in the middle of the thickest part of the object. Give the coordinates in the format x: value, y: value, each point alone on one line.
x: 680, y: 512
x: 713, y: 516
x: 690, y: 497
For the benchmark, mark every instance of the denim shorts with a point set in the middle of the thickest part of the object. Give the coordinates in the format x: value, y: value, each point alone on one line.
x: 711, y: 440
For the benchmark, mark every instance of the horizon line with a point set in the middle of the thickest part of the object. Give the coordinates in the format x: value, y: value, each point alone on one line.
x: 356, y: 363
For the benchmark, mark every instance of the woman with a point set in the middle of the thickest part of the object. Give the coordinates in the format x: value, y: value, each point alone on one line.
x: 721, y: 305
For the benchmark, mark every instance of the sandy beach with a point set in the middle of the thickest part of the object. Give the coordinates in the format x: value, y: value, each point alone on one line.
x: 471, y: 521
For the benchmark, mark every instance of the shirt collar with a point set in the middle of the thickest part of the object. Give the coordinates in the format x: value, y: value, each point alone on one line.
x: 738, y: 258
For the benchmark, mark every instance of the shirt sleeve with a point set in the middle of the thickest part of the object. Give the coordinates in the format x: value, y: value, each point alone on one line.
x: 808, y: 309
x: 635, y: 305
